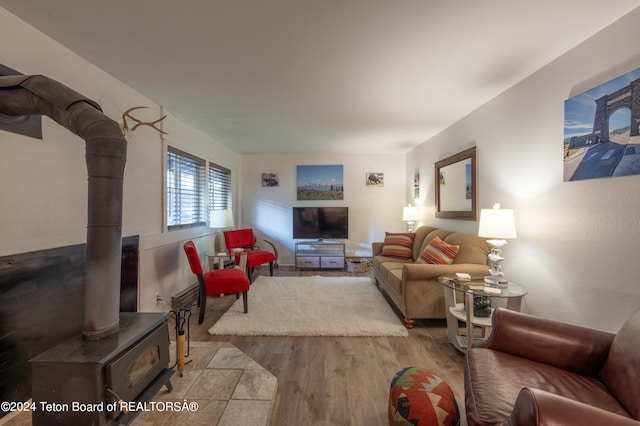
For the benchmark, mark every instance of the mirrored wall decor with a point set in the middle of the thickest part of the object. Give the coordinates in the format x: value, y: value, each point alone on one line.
x: 456, y: 186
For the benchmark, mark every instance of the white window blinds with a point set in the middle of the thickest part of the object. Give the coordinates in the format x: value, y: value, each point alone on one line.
x: 186, y: 202
x: 219, y: 187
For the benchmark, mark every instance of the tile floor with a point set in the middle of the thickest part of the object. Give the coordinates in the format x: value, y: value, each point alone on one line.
x: 228, y: 387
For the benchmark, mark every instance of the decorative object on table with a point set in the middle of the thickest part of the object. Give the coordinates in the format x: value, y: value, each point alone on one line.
x: 320, y: 182
x: 375, y: 179
x: 463, y: 276
x: 456, y: 186
x: 418, y: 396
x: 481, y: 305
x: 600, y: 129
x: 410, y: 216
x: 270, y: 180
x: 498, y: 224
x: 220, y: 220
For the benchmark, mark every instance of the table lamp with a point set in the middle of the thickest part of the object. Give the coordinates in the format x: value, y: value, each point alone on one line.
x: 220, y: 219
x: 498, y: 224
x: 410, y: 215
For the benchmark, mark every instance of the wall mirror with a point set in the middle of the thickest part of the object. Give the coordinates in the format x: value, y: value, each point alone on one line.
x: 456, y: 186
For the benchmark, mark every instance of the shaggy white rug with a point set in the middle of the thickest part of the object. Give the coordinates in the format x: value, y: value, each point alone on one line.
x: 311, y: 306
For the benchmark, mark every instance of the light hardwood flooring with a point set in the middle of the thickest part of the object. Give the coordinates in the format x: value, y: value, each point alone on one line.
x: 338, y: 380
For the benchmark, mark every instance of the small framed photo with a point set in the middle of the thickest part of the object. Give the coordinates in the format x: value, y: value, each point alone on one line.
x: 270, y: 180
x: 375, y: 179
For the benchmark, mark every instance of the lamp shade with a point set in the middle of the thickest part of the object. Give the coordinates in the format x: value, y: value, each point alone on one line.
x: 220, y: 219
x: 497, y: 223
x: 409, y: 214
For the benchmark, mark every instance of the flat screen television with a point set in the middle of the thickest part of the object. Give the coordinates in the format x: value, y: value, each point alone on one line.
x: 320, y: 222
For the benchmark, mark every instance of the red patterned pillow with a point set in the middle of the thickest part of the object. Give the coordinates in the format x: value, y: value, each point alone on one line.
x: 398, y: 245
x: 437, y: 252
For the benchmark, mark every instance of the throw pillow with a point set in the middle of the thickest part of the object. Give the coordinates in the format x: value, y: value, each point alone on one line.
x: 437, y: 252
x: 398, y: 245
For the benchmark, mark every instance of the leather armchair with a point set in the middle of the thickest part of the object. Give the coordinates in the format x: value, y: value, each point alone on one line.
x: 535, y: 371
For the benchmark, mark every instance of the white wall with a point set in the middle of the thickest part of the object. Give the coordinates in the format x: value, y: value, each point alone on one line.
x: 372, y: 210
x: 44, y: 198
x: 44, y: 192
x: 578, y: 242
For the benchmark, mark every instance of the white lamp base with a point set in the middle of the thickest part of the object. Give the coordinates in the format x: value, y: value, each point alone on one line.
x: 495, y: 262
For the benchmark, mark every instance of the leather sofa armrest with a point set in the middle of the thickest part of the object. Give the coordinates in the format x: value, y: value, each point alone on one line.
x: 537, y: 407
x: 570, y: 347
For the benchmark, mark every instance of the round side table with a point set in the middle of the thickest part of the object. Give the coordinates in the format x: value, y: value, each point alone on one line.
x: 513, y: 294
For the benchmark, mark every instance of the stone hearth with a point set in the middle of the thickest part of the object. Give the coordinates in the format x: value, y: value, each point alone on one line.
x: 229, y: 387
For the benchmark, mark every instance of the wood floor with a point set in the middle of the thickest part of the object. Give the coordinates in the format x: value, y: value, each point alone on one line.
x: 338, y: 380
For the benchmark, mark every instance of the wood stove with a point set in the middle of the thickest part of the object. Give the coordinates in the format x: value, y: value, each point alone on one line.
x: 91, y: 382
x: 119, y: 356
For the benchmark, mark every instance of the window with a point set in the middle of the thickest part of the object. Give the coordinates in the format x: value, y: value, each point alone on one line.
x: 219, y: 188
x: 186, y: 203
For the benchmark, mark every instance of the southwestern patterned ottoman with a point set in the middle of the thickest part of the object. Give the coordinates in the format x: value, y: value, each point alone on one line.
x: 418, y: 397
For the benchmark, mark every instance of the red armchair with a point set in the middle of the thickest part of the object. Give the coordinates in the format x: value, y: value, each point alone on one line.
x: 244, y: 239
x: 220, y: 281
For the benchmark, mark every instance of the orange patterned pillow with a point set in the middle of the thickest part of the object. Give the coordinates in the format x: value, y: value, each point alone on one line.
x: 437, y: 252
x: 398, y: 245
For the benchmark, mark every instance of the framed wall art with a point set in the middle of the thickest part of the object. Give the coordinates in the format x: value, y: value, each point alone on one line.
x: 601, y: 130
x: 270, y: 180
x: 320, y: 182
x: 375, y: 179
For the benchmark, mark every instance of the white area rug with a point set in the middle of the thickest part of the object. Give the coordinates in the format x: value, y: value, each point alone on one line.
x: 311, y: 306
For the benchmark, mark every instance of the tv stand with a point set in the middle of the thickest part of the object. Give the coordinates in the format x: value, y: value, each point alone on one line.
x: 320, y: 254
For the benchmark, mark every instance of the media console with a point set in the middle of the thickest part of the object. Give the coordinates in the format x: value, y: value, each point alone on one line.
x: 320, y: 254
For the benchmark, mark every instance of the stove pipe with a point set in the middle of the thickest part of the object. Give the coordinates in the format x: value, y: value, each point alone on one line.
x: 106, y: 150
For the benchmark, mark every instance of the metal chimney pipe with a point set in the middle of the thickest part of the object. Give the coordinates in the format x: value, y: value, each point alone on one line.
x: 106, y: 150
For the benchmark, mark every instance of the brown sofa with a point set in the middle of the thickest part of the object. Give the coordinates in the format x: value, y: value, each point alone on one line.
x: 414, y: 288
x: 535, y: 371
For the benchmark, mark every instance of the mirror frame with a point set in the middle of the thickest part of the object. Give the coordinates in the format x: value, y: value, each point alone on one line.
x: 472, y: 214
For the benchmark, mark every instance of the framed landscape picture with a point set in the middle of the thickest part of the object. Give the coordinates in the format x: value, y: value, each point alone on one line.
x: 601, y: 130
x: 320, y: 182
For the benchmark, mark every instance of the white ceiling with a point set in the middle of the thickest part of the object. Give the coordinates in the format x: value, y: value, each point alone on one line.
x: 308, y: 76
